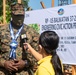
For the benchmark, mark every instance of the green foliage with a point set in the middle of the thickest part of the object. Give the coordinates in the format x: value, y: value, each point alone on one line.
x: 1, y: 7
x: 25, y: 3
x: 1, y: 19
x: 35, y: 26
x: 1, y: 12
x: 8, y: 11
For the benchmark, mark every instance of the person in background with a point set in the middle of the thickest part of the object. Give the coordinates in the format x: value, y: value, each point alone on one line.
x: 12, y: 54
x: 49, y: 62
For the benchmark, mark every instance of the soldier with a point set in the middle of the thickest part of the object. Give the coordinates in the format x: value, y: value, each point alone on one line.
x: 13, y: 59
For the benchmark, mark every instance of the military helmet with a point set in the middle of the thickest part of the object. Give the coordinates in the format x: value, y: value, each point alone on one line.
x: 17, y: 9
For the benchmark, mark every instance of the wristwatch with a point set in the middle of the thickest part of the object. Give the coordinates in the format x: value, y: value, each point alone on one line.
x: 26, y: 63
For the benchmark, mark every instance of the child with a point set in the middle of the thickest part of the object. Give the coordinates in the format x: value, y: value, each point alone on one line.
x: 49, y: 62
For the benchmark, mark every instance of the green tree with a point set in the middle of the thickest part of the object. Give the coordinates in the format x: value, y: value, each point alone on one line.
x: 8, y: 3
x: 1, y: 6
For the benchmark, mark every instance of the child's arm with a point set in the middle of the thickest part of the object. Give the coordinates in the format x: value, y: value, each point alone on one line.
x: 37, y: 55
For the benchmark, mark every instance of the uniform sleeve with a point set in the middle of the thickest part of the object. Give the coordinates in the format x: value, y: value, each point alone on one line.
x: 2, y: 62
x: 42, y: 71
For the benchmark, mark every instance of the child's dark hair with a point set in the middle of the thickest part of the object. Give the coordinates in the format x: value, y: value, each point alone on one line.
x: 49, y: 40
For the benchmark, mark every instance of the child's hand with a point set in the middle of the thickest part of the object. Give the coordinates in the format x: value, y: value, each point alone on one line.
x: 31, y: 50
x: 27, y: 47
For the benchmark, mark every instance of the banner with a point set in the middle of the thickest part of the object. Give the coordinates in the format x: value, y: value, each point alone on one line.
x: 61, y: 19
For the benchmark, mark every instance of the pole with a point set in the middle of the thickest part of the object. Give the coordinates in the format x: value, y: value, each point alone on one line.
x: 52, y: 3
x: 73, y: 70
x: 4, y: 11
x: 74, y: 1
x: 19, y: 1
x: 42, y: 4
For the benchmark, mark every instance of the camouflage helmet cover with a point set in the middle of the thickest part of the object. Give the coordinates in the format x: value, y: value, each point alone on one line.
x: 17, y: 9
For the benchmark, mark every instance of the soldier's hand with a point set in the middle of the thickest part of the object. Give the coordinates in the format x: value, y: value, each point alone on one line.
x: 9, y: 66
x: 20, y: 64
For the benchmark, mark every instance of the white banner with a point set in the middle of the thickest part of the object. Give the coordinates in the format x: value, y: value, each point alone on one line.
x: 61, y: 19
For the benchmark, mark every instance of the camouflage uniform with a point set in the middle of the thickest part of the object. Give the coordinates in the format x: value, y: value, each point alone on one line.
x: 17, y: 14
x: 32, y: 38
